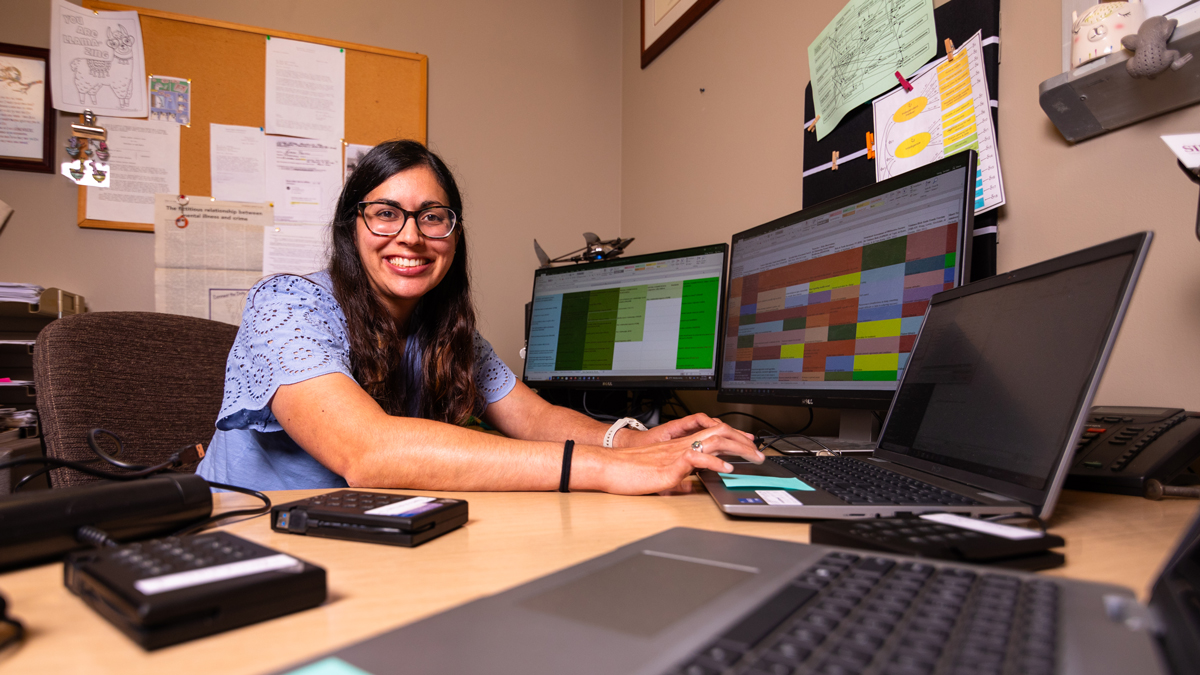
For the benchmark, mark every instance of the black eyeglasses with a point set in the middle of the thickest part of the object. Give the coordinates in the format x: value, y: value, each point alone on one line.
x: 387, y: 218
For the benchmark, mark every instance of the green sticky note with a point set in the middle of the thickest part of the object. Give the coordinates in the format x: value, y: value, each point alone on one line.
x: 738, y: 481
x: 330, y: 666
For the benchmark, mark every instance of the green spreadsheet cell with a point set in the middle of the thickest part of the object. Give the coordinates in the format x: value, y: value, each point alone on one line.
x: 746, y: 319
x: 745, y: 341
x: 697, y: 323
x: 667, y: 291
x: 631, y: 314
x: 874, y: 375
x: 839, y: 377
x: 843, y: 332
x: 601, y: 329
x: 951, y: 259
x: 884, y: 253
x: 795, y: 324
x: 572, y: 332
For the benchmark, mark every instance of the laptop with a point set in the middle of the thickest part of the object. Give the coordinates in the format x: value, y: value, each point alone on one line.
x: 693, y: 602
x: 988, y: 410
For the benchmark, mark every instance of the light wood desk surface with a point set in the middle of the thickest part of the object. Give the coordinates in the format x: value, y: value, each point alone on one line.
x: 511, y: 538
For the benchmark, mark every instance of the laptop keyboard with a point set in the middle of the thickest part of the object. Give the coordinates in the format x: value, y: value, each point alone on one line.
x: 852, y: 615
x: 858, y: 482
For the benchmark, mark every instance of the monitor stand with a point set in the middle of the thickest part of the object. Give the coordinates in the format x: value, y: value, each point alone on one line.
x: 858, y: 431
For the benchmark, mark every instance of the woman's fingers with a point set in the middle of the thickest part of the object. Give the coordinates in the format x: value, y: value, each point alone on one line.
x: 727, y: 440
x: 703, y: 460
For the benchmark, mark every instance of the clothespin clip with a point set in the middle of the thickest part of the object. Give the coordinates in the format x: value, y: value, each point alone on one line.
x: 833, y: 162
x: 870, y: 145
x: 903, y: 82
x: 812, y: 126
x: 949, y: 50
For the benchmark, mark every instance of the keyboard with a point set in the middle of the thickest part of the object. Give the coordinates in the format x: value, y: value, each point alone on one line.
x: 857, y: 482
x: 852, y: 615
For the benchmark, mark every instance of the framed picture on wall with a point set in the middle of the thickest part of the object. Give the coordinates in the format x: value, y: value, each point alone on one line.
x: 26, y: 118
x: 663, y: 21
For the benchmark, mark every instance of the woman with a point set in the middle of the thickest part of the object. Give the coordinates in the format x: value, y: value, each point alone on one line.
x: 361, y: 374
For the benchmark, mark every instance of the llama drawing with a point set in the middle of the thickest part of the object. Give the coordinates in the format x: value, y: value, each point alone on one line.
x: 91, y: 74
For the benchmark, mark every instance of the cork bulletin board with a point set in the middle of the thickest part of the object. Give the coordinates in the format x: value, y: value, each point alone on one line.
x: 227, y: 65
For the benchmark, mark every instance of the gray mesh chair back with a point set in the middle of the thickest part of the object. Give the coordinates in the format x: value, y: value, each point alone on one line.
x: 155, y: 380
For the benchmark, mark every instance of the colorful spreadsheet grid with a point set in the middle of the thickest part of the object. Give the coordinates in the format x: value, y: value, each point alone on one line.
x: 847, y: 316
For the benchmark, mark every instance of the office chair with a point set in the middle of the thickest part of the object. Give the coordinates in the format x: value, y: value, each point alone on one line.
x: 155, y: 380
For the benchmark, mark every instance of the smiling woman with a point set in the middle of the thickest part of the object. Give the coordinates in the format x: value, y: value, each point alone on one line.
x: 364, y: 373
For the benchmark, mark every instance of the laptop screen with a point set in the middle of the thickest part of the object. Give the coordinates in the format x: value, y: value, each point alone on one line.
x: 1002, y: 370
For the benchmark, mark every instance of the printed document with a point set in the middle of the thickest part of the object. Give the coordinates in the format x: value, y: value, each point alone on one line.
x: 97, y: 62
x: 144, y: 162
x: 858, y: 54
x: 295, y: 249
x: 206, y: 234
x: 237, y: 161
x: 306, y: 89
x: 219, y: 295
x: 949, y: 110
x: 304, y: 178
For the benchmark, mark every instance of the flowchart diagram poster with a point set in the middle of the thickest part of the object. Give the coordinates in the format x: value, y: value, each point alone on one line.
x: 858, y: 54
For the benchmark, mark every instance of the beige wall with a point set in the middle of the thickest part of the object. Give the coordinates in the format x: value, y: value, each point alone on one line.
x: 524, y: 104
x: 541, y: 107
x: 697, y: 167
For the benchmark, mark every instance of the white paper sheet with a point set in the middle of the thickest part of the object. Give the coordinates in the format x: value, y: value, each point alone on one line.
x: 214, y: 234
x: 1186, y: 147
x: 237, y: 163
x: 354, y: 154
x: 219, y: 295
x: 304, y: 178
x: 295, y: 249
x: 22, y: 111
x: 97, y: 61
x: 949, y: 110
x: 145, y: 161
x: 306, y: 89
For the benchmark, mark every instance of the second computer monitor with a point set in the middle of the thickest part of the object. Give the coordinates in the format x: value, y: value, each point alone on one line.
x: 824, y: 304
x: 647, y: 321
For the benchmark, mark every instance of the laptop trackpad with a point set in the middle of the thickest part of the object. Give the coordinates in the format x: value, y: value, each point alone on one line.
x: 642, y: 595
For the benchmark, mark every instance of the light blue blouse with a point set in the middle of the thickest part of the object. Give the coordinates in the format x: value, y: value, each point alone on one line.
x: 293, y: 330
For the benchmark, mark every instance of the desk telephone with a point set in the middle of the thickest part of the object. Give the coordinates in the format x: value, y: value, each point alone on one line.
x: 1124, y: 447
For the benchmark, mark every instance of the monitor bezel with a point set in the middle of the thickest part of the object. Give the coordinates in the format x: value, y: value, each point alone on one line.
x: 630, y: 383
x: 870, y: 399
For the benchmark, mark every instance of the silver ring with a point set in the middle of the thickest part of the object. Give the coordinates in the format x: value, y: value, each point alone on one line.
x: 697, y: 446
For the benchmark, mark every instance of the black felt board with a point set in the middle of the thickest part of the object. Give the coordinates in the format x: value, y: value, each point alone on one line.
x: 957, y: 20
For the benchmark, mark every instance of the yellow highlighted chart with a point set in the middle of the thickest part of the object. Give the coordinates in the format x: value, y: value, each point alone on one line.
x: 948, y: 111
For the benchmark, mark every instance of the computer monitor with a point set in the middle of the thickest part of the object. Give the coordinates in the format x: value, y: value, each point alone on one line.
x: 648, y: 321
x: 824, y: 304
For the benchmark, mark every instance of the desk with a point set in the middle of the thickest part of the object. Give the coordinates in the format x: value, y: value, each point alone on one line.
x: 510, y: 539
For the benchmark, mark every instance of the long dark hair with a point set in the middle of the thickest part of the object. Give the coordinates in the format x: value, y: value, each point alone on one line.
x: 442, y: 324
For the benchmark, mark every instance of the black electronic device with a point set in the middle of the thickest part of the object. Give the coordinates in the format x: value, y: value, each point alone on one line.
x: 41, y: 525
x: 1124, y: 447
x: 643, y: 322
x: 925, y: 538
x: 375, y: 517
x: 166, y: 591
x: 824, y: 304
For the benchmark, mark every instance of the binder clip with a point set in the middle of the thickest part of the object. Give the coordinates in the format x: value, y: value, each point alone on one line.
x: 84, y: 170
x: 812, y: 126
x: 833, y: 161
x: 949, y: 49
x: 870, y: 145
x: 903, y: 82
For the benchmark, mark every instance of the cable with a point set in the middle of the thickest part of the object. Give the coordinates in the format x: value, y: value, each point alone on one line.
x: 195, y: 527
x: 756, y: 418
x: 596, y: 416
x: 88, y: 534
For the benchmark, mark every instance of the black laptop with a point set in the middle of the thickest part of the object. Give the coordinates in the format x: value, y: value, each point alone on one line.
x: 988, y: 410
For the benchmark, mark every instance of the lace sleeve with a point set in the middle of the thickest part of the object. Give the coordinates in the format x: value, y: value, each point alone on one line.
x: 492, y: 376
x: 292, y: 330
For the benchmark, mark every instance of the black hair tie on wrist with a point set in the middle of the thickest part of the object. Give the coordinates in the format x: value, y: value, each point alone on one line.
x: 564, y: 483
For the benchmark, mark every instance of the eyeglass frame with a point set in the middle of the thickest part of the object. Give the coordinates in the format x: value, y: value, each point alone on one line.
x: 415, y: 215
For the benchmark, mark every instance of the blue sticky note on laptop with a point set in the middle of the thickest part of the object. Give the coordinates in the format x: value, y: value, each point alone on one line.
x: 739, y: 481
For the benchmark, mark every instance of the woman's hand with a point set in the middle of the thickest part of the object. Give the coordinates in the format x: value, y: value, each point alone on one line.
x: 686, y: 426
x: 664, y: 462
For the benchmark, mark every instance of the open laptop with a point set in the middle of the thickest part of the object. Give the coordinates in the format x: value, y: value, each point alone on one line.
x: 692, y: 602
x: 988, y: 410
